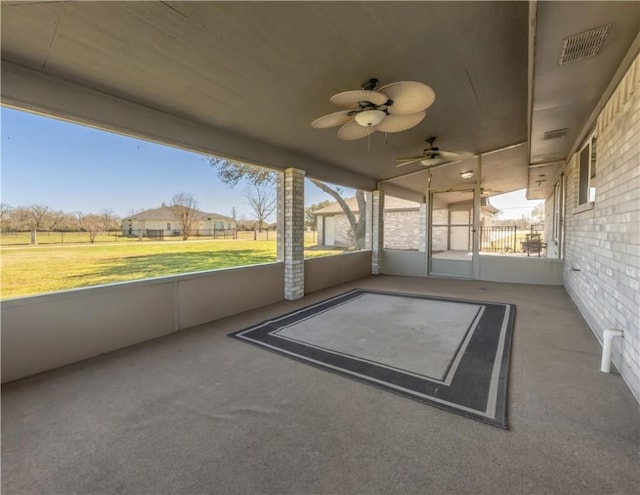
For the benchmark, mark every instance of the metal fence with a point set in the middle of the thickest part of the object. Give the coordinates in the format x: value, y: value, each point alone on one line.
x: 498, y: 238
x: 160, y: 234
x: 58, y: 237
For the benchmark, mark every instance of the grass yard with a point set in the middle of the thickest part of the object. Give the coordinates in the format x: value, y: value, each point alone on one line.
x: 35, y: 269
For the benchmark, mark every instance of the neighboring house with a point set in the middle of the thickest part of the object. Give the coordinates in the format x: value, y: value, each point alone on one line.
x: 161, y: 222
x: 402, y: 224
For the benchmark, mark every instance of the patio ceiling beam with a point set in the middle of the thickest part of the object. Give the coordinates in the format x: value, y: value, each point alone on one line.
x: 34, y: 91
x: 400, y: 192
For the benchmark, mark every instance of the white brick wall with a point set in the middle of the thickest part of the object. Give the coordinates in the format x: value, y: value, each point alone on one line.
x: 402, y: 229
x: 604, y: 242
x: 293, y: 233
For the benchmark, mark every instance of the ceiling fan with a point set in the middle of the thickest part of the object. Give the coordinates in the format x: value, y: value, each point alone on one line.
x: 395, y: 107
x: 432, y: 156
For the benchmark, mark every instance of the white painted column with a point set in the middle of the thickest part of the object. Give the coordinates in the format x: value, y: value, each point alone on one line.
x: 477, y: 206
x: 377, y: 231
x: 369, y: 223
x: 427, y: 224
x: 293, y: 233
x: 422, y: 236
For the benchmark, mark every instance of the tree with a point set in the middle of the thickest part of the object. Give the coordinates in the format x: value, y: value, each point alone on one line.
x: 358, y: 226
x: 92, y: 224
x: 5, y: 216
x: 34, y: 217
x: 55, y: 219
x: 184, y: 210
x: 109, y: 220
x: 537, y: 214
x: 262, y: 200
x: 231, y: 172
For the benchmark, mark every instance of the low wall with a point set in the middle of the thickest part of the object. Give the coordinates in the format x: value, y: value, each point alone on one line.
x: 404, y: 263
x: 521, y: 270
x: 518, y: 270
x: 327, y: 271
x: 51, y: 330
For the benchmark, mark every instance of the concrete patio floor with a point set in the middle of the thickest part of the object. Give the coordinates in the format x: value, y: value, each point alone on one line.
x: 198, y: 412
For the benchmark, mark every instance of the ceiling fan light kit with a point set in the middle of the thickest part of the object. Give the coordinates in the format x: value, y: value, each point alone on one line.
x: 392, y: 108
x: 369, y: 118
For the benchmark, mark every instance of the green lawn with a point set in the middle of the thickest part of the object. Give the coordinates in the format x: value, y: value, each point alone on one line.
x: 36, y: 269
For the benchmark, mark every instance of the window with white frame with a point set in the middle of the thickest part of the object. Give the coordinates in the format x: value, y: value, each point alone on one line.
x: 587, y: 184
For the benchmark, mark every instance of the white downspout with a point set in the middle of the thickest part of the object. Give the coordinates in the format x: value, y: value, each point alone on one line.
x: 607, y: 344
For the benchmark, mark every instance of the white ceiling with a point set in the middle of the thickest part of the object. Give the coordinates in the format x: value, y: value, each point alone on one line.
x: 255, y: 74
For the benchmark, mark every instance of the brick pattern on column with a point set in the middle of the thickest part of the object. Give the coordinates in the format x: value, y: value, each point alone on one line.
x: 293, y: 233
x: 377, y: 231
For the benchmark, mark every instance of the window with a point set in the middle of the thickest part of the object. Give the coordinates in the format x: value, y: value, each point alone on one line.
x: 54, y: 212
x: 587, y: 191
x: 336, y: 219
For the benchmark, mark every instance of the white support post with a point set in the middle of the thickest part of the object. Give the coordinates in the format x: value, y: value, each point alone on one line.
x: 377, y: 231
x: 477, y: 207
x: 422, y: 236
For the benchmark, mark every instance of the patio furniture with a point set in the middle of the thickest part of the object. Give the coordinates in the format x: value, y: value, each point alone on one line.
x: 533, y: 240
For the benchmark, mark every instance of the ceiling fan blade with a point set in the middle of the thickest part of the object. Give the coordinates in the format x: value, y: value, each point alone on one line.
x: 406, y: 158
x: 352, y: 130
x: 350, y: 99
x: 397, y: 123
x: 332, y: 120
x: 409, y: 162
x: 408, y: 97
x: 455, y: 155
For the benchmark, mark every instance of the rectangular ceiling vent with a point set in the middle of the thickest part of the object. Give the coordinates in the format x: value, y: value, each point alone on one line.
x: 558, y: 133
x: 583, y: 45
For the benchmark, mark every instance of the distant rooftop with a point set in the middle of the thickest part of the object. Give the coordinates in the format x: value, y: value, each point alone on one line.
x: 164, y: 212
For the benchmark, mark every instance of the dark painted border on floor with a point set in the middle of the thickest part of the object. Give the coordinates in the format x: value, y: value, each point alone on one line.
x: 468, y: 393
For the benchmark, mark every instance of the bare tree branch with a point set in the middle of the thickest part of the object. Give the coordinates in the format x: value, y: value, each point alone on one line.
x: 358, y: 226
x: 184, y: 210
x: 262, y: 200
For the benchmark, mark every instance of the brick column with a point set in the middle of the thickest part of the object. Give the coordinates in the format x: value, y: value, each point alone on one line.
x: 377, y: 231
x: 293, y: 233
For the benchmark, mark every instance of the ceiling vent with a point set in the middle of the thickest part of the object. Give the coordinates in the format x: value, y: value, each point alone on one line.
x: 558, y: 133
x: 583, y: 45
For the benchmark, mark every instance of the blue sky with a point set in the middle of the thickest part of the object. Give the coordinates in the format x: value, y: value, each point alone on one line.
x: 75, y: 168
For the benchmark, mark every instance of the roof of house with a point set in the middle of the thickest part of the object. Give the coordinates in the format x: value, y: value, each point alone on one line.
x: 391, y: 203
x: 165, y: 213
